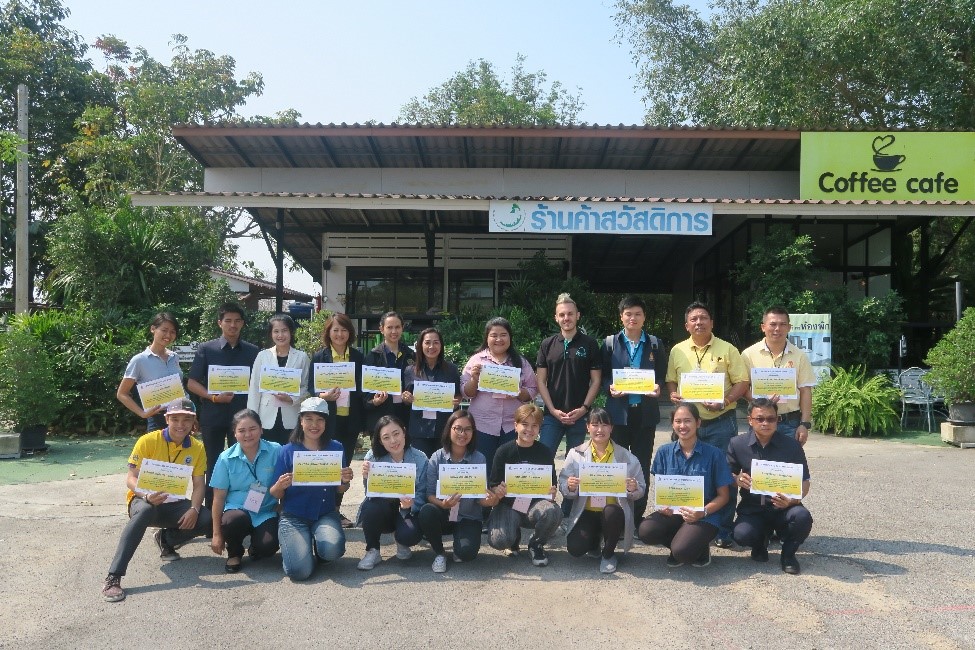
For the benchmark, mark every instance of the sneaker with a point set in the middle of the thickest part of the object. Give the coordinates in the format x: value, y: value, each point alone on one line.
x: 166, y: 552
x: 594, y: 553
x: 760, y: 554
x: 724, y: 542
x: 440, y: 564
x: 511, y: 552
x: 456, y: 559
x: 537, y: 554
x: 608, y: 564
x: 790, y: 564
x: 704, y: 559
x: 370, y: 560
x: 403, y: 552
x: 346, y: 522
x: 112, y: 592
x: 672, y: 562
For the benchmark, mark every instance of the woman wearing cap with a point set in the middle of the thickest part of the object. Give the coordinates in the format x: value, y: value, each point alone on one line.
x: 309, y: 525
x: 279, y: 411
x: 430, y: 365
x: 388, y: 354
x: 240, y: 483
x: 155, y: 362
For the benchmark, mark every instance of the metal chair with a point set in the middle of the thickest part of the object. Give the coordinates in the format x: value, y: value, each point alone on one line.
x: 916, y: 393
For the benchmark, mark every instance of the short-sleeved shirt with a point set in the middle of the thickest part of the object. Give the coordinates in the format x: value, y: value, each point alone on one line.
x: 235, y: 474
x: 715, y: 356
x: 219, y: 352
x: 496, y: 414
x: 568, y: 364
x: 468, y: 508
x: 157, y: 445
x: 706, y: 460
x: 760, y: 356
x: 743, y: 449
x: 310, y: 502
x: 147, y: 365
x: 511, y: 453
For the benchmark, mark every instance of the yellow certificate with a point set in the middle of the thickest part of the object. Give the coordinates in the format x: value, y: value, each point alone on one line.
x: 280, y: 380
x: 157, y: 392
x: 433, y: 396
x: 767, y: 382
x: 499, y: 379
x: 317, y: 468
x: 702, y: 386
x: 675, y: 491
x: 391, y: 480
x: 334, y: 375
x: 469, y: 481
x: 771, y: 478
x: 228, y: 379
x: 534, y: 481
x: 376, y: 379
x: 635, y: 381
x: 602, y: 480
x: 159, y: 476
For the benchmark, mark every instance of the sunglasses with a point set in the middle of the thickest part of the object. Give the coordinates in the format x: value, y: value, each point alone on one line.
x: 764, y: 420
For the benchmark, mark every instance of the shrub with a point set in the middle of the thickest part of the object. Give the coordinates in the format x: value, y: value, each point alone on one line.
x: 849, y: 403
x: 952, y: 362
x: 309, y: 335
x: 29, y: 393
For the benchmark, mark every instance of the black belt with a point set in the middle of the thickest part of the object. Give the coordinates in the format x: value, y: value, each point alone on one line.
x: 793, y: 416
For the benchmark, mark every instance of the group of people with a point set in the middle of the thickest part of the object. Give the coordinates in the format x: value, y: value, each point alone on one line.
x: 248, y: 490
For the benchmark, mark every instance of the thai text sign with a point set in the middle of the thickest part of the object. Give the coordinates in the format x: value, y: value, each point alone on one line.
x: 618, y: 218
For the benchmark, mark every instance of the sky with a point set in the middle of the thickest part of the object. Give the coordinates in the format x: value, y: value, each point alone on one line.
x: 350, y: 62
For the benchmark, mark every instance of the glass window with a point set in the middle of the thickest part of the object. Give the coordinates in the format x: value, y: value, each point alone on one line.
x: 373, y: 291
x: 857, y: 254
x: 470, y: 289
x: 878, y: 286
x: 879, y: 249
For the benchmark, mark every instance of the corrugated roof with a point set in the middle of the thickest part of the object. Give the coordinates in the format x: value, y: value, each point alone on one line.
x: 263, y: 284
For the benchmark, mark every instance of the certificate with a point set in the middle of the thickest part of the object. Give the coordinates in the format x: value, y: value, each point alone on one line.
x: 634, y: 381
x: 376, y: 379
x: 391, y: 480
x: 533, y: 481
x: 675, y: 491
x: 602, y: 480
x: 771, y: 478
x: 157, y: 392
x: 228, y: 379
x: 469, y: 481
x: 334, y: 375
x: 159, y: 476
x: 775, y: 381
x: 317, y: 468
x: 495, y: 378
x: 433, y: 396
x: 280, y: 380
x: 702, y: 386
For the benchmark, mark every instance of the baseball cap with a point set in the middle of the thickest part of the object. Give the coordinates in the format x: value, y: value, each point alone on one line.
x: 314, y: 405
x: 180, y: 406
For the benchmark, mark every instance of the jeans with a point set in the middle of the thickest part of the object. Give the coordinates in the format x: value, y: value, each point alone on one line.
x: 793, y: 524
x: 687, y: 542
x: 236, y: 525
x: 584, y: 536
x: 142, y: 515
x: 297, y: 535
x: 505, y: 524
x: 435, y: 522
x: 787, y: 428
x: 637, y: 436
x: 552, y: 432
x: 719, y: 432
x: 380, y: 516
x: 488, y: 445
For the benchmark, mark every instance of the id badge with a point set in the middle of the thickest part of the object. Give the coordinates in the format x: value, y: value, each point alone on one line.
x: 522, y: 504
x: 429, y: 415
x: 454, y: 513
x: 597, y: 502
x: 343, y: 399
x: 255, y: 497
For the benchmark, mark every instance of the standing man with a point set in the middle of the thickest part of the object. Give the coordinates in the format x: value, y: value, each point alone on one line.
x: 775, y: 351
x: 216, y: 411
x: 635, y: 417
x: 704, y: 352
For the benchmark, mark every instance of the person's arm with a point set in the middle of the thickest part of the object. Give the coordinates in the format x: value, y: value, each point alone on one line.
x: 542, y: 376
x: 595, y: 382
x: 736, y: 392
x: 805, y: 414
x: 254, y: 391
x: 529, y: 385
x: 188, y: 520
x: 217, y: 543
x: 124, y: 395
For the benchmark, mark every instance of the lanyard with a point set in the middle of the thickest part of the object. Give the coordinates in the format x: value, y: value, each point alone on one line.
x: 700, y: 357
x: 781, y: 360
x: 179, y: 451
x: 633, y: 351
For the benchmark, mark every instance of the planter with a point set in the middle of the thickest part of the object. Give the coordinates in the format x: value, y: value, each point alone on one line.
x: 962, y: 413
x: 34, y: 438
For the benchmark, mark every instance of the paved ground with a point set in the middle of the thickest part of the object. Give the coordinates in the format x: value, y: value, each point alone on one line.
x: 890, y: 564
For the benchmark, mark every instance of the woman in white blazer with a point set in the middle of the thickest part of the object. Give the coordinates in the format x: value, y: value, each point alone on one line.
x: 280, y: 410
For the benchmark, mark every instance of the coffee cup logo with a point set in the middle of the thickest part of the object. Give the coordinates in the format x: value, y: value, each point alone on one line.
x: 883, y: 161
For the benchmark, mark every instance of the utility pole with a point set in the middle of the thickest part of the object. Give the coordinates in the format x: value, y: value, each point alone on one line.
x: 21, y: 265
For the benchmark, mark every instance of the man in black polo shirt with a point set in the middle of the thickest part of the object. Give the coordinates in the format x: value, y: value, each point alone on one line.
x: 759, y: 514
x: 216, y: 411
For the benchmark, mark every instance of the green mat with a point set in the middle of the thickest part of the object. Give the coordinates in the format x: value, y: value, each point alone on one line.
x: 69, y: 458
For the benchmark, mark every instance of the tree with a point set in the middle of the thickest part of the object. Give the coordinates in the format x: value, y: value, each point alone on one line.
x: 477, y: 95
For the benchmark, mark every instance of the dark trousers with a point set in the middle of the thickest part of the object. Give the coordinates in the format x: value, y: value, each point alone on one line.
x: 435, y: 523
x: 142, y: 515
x: 349, y: 439
x: 793, y: 524
x: 426, y: 445
x: 236, y: 525
x: 585, y: 535
x: 718, y: 433
x: 687, y: 542
x: 380, y: 516
x: 278, y: 433
x: 215, y: 439
x: 637, y: 436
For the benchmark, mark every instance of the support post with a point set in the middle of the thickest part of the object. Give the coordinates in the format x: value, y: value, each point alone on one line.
x: 279, y: 262
x: 21, y: 257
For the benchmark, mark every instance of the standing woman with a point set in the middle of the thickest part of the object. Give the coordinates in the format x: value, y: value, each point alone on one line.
x: 388, y: 354
x: 280, y: 410
x: 241, y: 501
x: 430, y: 365
x: 594, y: 517
x: 155, y: 362
x: 309, y: 526
x: 346, y: 418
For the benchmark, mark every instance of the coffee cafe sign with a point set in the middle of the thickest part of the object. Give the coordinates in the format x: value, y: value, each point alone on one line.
x: 888, y: 166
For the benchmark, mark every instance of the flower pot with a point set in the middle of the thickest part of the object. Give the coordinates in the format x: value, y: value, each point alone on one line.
x: 962, y: 413
x: 33, y: 438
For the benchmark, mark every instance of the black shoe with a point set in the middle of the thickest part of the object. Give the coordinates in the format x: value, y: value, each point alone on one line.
x: 537, y: 554
x: 760, y: 554
x: 346, y: 522
x: 704, y: 559
x: 166, y: 552
x: 232, y: 568
x: 724, y: 542
x: 790, y: 564
x: 672, y: 562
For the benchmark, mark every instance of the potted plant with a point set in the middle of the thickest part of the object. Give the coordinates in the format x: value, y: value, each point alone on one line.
x: 952, y: 374
x: 29, y: 397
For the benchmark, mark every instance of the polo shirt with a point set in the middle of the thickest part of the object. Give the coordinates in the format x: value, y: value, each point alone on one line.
x: 745, y: 448
x: 759, y: 356
x: 706, y: 460
x: 235, y: 474
x: 568, y: 365
x: 157, y: 445
x: 309, y: 502
x: 219, y: 352
x: 715, y: 356
x: 467, y: 508
x: 147, y: 365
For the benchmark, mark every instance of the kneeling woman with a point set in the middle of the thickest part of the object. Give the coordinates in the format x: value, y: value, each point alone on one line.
x: 240, y: 483
x: 378, y: 515
x: 593, y: 517
x: 688, y: 533
x: 309, y: 524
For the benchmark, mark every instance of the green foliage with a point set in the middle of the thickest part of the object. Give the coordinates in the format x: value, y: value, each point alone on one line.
x: 9, y: 142
x: 851, y: 404
x: 952, y: 362
x: 309, y: 336
x: 216, y: 292
x: 29, y: 394
x: 477, y: 95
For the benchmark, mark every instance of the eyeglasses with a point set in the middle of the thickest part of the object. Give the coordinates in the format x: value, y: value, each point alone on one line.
x: 462, y: 429
x: 765, y: 420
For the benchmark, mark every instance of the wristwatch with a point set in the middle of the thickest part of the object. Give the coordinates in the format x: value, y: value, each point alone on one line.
x: 806, y: 424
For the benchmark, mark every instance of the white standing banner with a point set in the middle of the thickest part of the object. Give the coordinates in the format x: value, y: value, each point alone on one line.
x: 813, y: 333
x: 609, y: 217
